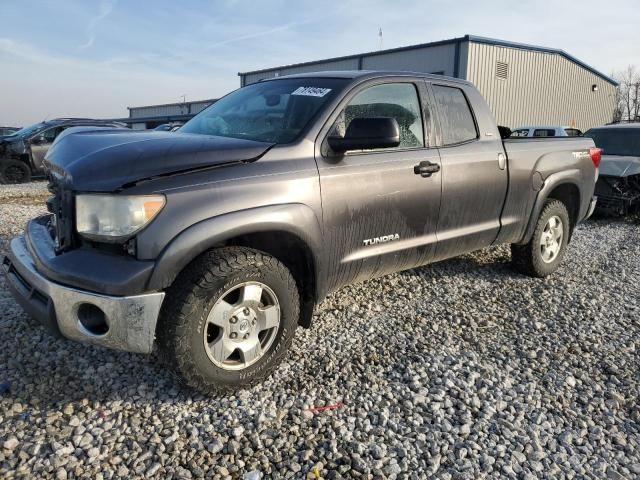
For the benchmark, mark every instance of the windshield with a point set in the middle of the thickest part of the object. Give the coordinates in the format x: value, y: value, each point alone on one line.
x: 273, y: 111
x: 26, y: 131
x: 617, y: 141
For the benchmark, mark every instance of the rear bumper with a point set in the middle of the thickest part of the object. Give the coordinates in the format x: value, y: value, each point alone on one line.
x: 592, y: 207
x: 126, y: 322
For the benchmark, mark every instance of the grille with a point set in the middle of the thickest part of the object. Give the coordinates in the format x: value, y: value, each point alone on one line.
x: 61, y: 206
x: 502, y: 70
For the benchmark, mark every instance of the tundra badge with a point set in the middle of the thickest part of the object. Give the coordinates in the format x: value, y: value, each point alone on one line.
x: 383, y: 239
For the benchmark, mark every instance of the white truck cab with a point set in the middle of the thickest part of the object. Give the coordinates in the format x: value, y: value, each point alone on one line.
x: 546, y: 131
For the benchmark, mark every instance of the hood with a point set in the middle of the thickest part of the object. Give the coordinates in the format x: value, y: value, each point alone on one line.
x: 12, y: 145
x: 618, y: 166
x: 106, y: 160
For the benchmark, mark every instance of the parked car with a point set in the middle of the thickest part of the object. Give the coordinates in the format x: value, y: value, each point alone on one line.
x: 22, y: 153
x: 546, y: 131
x: 618, y: 187
x: 6, y: 131
x: 168, y: 127
x: 215, y: 244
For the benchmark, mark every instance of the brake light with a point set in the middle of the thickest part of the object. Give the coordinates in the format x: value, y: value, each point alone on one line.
x: 596, y: 155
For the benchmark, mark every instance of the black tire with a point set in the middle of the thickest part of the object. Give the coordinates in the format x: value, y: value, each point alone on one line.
x: 182, y: 323
x: 14, y: 171
x: 528, y: 258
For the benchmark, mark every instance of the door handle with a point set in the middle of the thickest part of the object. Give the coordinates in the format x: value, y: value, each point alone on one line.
x: 502, y: 161
x: 426, y: 168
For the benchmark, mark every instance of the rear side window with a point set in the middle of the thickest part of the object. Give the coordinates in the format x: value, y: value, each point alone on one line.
x: 521, y: 132
x: 544, y: 132
x: 573, y: 132
x: 456, y: 119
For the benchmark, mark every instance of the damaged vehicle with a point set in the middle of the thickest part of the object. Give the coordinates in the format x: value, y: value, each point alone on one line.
x: 22, y: 153
x: 214, y: 243
x: 618, y: 187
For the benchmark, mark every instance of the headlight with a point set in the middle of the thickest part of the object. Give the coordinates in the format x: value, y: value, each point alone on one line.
x: 113, y: 218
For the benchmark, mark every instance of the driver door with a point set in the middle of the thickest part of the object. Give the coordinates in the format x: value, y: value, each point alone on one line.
x: 379, y: 215
x: 40, y: 146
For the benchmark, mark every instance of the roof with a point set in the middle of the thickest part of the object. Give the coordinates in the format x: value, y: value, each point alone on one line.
x: 466, y: 38
x: 361, y: 74
x: 632, y: 125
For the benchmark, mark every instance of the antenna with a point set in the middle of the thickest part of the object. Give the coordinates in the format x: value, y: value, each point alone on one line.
x: 184, y: 98
x: 380, y: 36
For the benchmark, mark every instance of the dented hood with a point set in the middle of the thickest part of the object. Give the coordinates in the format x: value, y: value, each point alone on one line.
x: 107, y: 160
x: 619, y: 166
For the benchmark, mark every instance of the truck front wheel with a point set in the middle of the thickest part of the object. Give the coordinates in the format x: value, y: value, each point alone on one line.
x: 228, y: 319
x: 14, y: 171
x: 546, y: 249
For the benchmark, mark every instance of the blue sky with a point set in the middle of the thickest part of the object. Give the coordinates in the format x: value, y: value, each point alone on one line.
x: 96, y: 57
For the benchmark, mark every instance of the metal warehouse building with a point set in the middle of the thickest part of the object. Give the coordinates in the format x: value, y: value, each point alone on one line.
x: 151, y: 116
x: 523, y: 84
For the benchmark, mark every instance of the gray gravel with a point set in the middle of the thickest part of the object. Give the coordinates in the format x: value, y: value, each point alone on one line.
x: 460, y: 370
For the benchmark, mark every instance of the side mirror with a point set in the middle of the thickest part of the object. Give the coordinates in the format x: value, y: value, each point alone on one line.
x: 38, y: 139
x: 366, y: 134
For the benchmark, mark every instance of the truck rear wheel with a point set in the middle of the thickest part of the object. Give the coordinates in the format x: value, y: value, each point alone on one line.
x: 14, y: 171
x: 228, y: 319
x: 546, y: 249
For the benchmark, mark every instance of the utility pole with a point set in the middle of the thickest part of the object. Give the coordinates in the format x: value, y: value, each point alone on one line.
x: 380, y: 36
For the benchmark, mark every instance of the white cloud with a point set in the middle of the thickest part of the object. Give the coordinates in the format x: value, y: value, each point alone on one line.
x: 106, y: 7
x: 45, y: 85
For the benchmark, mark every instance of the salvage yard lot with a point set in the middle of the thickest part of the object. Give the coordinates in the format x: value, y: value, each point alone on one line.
x: 462, y: 369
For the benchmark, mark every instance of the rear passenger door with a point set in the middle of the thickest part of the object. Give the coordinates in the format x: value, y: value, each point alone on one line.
x: 474, y: 173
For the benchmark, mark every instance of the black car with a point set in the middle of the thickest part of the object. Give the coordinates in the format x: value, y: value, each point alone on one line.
x: 22, y: 153
x: 168, y: 127
x: 7, y: 131
x: 618, y: 187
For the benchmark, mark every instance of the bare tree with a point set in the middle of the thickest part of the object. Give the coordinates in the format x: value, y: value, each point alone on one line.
x: 627, y: 106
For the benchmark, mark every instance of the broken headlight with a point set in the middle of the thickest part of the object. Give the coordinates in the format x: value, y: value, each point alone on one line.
x: 115, y: 218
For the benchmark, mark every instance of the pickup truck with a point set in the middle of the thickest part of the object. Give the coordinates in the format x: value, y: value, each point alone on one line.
x: 22, y: 153
x: 214, y: 243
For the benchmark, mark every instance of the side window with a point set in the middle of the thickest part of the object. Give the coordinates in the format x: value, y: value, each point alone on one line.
x: 521, y: 132
x: 51, y: 134
x: 396, y: 100
x: 573, y: 132
x: 456, y: 119
x: 544, y: 132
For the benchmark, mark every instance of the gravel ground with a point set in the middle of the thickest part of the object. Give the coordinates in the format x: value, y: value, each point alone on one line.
x: 463, y: 369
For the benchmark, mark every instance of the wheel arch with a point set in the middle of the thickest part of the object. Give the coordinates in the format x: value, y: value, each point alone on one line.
x: 563, y: 186
x: 291, y: 233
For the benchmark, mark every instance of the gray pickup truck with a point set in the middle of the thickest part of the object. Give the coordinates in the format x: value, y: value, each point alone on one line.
x: 214, y: 243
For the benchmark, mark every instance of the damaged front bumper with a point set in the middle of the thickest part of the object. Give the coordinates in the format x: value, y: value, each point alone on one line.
x: 113, y: 321
x: 618, y: 195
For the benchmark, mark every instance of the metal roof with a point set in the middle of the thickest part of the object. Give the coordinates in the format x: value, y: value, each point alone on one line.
x: 466, y: 38
x: 353, y: 74
x: 176, y: 104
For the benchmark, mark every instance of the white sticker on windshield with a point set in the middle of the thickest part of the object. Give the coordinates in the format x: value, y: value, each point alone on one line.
x: 311, y: 91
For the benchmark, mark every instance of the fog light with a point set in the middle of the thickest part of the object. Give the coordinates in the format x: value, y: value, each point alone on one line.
x: 92, y: 319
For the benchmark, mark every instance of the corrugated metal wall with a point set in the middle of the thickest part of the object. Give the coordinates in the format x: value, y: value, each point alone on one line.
x: 541, y: 88
x: 189, y: 108
x: 346, y: 64
x: 434, y: 59
x: 159, y: 110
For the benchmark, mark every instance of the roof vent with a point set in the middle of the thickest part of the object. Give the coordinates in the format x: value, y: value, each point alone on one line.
x: 502, y: 70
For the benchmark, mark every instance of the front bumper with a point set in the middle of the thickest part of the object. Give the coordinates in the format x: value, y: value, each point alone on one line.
x: 118, y: 322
